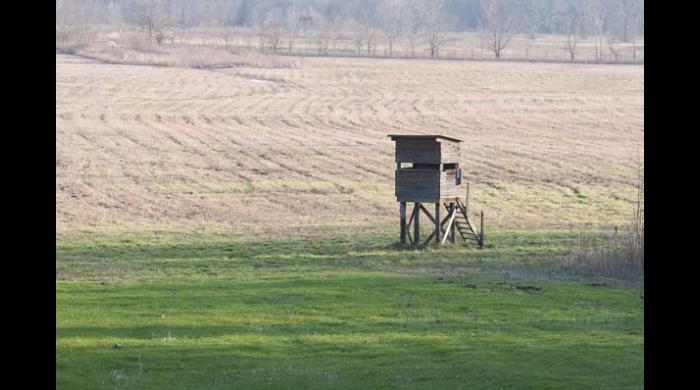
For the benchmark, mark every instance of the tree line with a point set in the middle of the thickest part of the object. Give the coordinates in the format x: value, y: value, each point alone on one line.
x: 420, y: 22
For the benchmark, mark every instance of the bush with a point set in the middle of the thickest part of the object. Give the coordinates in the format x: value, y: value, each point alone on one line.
x: 617, y: 254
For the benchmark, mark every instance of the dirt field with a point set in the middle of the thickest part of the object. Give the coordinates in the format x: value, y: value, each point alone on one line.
x: 264, y: 150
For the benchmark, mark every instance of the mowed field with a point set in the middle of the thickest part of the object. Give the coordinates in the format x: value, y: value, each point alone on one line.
x: 234, y: 228
x: 248, y: 150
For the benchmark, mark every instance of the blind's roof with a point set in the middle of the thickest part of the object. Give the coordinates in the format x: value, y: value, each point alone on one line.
x: 432, y: 137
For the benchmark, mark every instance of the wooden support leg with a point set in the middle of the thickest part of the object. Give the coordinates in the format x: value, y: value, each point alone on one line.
x: 466, y: 201
x: 438, y: 228
x: 402, y: 212
x: 410, y: 220
x: 481, y: 242
x: 450, y: 220
x: 452, y: 225
x: 416, y: 228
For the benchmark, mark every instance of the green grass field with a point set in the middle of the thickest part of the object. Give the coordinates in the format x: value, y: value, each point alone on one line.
x: 347, y: 312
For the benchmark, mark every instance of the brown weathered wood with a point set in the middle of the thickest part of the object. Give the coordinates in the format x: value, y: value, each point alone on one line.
x: 438, y: 228
x: 427, y: 240
x: 449, y: 232
x: 464, y: 227
x: 466, y: 202
x: 452, y: 226
x: 481, y: 241
x: 410, y: 219
x: 426, y: 181
x: 413, y: 184
x: 426, y: 149
x: 402, y: 213
x: 417, y: 151
x: 448, y: 183
x: 429, y: 137
x: 449, y: 152
x: 433, y: 176
x: 416, y: 226
x: 427, y: 213
x: 411, y: 200
x: 444, y: 220
x: 452, y: 209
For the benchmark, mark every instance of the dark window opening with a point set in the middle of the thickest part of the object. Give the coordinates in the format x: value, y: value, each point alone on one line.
x: 426, y: 166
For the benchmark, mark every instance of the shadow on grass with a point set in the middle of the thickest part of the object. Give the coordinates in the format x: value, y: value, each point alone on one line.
x: 135, y: 259
x: 317, y: 314
x: 331, y: 305
x: 390, y: 363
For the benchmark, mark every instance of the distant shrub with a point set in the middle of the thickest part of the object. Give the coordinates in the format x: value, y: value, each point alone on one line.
x: 131, y: 46
x: 618, y: 253
x: 132, y: 40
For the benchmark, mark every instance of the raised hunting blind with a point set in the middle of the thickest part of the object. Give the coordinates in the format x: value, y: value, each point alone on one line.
x: 427, y: 171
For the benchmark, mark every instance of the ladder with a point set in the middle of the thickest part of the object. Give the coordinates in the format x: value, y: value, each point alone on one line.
x: 457, y: 216
x: 465, y: 228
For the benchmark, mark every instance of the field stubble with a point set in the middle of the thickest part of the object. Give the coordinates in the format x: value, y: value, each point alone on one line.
x: 253, y: 150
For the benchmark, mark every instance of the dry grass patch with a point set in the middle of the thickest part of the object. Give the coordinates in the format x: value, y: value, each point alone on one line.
x: 133, y: 47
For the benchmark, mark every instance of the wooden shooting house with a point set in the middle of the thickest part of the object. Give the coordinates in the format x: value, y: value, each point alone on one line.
x: 427, y: 171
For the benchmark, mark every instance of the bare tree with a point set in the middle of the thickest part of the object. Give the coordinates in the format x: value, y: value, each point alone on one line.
x: 73, y: 21
x: 434, y: 24
x: 638, y: 221
x: 637, y: 22
x: 293, y: 23
x: 499, y: 21
x: 279, y: 25
x: 370, y: 35
x: 358, y: 35
x: 629, y: 18
x: 413, y: 22
x: 392, y: 18
x: 571, y: 43
x: 614, y: 50
x: 538, y: 15
x: 573, y: 25
x: 273, y: 28
x: 366, y: 33
x: 424, y: 22
x: 113, y: 13
x: 227, y: 37
x: 257, y: 20
x: 65, y: 20
x: 595, y: 16
x: 321, y: 33
x: 632, y: 14
x: 153, y: 18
